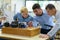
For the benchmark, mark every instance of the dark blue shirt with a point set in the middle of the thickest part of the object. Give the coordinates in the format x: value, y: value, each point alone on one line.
x: 21, y: 19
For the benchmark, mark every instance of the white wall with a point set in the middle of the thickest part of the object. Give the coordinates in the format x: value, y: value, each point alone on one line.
x: 15, y: 7
x: 17, y: 4
x: 57, y: 5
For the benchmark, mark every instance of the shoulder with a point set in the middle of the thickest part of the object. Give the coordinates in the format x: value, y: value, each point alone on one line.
x: 35, y: 17
x: 44, y: 11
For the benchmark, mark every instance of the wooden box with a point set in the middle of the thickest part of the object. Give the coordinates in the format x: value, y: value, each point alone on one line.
x: 21, y: 31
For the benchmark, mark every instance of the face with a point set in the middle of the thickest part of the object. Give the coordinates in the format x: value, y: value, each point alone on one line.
x: 37, y: 11
x: 51, y: 12
x: 25, y: 14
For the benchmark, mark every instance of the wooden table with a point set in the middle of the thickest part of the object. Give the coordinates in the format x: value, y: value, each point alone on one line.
x: 16, y: 37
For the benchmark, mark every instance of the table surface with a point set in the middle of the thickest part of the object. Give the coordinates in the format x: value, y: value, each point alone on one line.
x: 21, y: 37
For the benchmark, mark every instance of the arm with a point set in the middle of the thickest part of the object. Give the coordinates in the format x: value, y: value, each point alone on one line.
x: 15, y: 17
x: 33, y: 22
x: 30, y: 21
x: 54, y: 29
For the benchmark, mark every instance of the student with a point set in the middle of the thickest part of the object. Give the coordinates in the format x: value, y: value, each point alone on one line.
x: 53, y: 12
x: 43, y: 18
x: 23, y: 16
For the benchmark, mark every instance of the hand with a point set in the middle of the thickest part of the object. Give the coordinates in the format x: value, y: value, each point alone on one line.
x: 30, y: 24
x: 44, y: 36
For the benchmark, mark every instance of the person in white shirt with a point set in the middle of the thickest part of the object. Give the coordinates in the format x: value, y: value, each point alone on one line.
x: 51, y: 10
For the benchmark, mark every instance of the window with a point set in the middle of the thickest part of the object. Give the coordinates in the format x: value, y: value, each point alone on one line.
x: 29, y: 4
x: 44, y: 3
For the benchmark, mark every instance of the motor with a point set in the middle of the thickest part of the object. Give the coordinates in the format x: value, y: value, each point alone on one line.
x: 22, y: 25
x: 6, y: 24
x: 14, y: 24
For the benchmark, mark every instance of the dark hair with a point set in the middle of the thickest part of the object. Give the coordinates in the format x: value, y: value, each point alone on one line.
x: 50, y: 6
x: 35, y: 6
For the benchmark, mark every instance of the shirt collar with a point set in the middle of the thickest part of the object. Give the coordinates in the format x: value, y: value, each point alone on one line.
x: 25, y: 18
x: 41, y: 14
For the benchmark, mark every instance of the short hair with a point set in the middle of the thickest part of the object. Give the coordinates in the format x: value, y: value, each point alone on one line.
x: 36, y: 5
x: 50, y: 6
x: 23, y: 9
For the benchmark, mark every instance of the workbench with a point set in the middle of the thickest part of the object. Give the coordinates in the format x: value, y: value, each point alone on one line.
x: 17, y: 37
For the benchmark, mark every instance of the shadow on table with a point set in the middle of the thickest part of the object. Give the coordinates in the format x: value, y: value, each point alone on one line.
x: 8, y: 39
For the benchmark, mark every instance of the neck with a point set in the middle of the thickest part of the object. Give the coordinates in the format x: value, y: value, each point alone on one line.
x: 26, y: 17
x: 40, y: 14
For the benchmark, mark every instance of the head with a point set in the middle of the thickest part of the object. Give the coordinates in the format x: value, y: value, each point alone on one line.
x: 24, y: 12
x: 36, y: 9
x: 51, y: 10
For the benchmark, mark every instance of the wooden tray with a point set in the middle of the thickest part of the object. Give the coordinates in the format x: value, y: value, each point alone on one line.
x: 21, y: 31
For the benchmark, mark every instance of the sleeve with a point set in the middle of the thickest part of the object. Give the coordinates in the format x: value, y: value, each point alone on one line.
x: 35, y: 22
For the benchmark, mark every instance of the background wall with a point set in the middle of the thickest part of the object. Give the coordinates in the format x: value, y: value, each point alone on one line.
x: 11, y: 7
